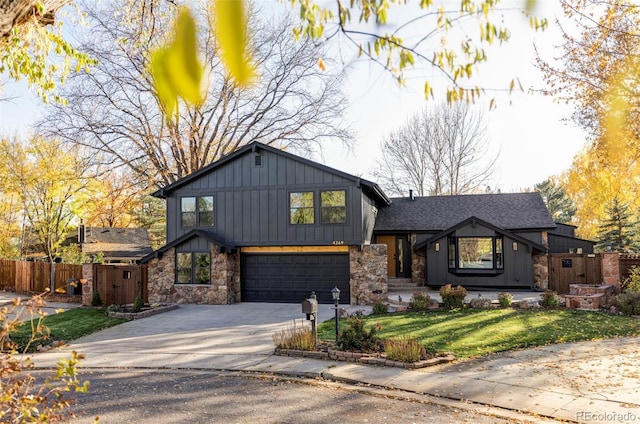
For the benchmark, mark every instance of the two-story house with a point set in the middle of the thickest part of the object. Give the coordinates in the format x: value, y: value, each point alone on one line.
x: 264, y: 225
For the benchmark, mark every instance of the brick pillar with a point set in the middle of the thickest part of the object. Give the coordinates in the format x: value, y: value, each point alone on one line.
x: 87, y: 284
x: 610, y: 268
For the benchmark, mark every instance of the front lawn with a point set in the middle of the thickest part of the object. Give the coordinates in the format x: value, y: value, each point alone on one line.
x: 65, y: 326
x: 470, y: 333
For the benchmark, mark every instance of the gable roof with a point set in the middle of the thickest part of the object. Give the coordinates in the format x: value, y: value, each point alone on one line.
x: 117, y: 243
x: 477, y: 221
x: 210, y: 236
x: 509, y: 211
x: 371, y: 188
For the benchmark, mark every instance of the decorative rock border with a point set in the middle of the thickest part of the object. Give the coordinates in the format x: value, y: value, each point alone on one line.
x: 363, y: 358
x: 143, y: 314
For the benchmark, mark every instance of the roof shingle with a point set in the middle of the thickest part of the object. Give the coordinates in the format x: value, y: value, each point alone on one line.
x: 510, y: 211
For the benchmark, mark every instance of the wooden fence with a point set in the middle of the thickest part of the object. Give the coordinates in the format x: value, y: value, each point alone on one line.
x: 35, y: 277
x: 120, y: 284
x: 573, y: 268
x: 628, y: 261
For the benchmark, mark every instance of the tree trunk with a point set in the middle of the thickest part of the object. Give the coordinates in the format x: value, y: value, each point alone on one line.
x: 17, y: 12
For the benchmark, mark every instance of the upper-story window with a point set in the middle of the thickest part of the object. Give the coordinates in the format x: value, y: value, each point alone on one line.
x: 196, y: 211
x: 333, y: 207
x: 301, y: 207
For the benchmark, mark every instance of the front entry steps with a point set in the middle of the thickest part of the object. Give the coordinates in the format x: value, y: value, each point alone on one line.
x: 402, y: 285
x: 588, y: 297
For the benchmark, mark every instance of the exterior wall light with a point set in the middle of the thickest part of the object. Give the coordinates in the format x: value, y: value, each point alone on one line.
x: 515, y: 245
x: 437, y: 247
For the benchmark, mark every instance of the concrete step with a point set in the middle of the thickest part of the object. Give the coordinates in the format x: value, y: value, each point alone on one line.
x: 401, y: 284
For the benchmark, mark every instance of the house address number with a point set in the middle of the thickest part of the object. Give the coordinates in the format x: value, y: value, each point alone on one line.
x: 338, y: 242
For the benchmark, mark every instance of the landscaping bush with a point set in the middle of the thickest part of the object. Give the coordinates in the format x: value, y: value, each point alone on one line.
x: 113, y: 308
x: 453, y: 297
x: 96, y: 300
x: 419, y: 302
x: 480, y: 302
x: 294, y: 337
x: 505, y: 299
x: 357, y: 338
x: 632, y: 282
x: 550, y: 299
x: 137, y: 304
x: 628, y: 302
x: 380, y: 308
x: 404, y: 348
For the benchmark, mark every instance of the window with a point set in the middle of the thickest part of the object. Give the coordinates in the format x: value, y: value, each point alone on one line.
x: 475, y: 253
x: 193, y: 268
x: 301, y: 207
x: 196, y: 211
x: 333, y: 207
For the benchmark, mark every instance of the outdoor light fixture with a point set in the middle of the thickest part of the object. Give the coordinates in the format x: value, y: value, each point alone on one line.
x: 335, y: 294
x: 437, y: 247
x: 515, y: 245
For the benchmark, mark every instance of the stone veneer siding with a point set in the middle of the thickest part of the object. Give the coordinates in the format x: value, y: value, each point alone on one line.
x: 541, y: 266
x: 224, y: 287
x: 418, y: 264
x: 87, y: 284
x: 611, y: 268
x: 368, y: 274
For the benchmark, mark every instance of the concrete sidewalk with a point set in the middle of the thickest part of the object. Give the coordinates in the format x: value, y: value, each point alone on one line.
x: 585, y: 382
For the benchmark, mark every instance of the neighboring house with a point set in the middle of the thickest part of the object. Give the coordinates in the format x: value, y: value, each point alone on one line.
x: 479, y: 240
x: 117, y: 245
x: 563, y: 240
x: 264, y: 225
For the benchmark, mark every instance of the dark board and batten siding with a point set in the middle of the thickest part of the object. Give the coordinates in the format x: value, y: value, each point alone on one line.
x: 251, y: 203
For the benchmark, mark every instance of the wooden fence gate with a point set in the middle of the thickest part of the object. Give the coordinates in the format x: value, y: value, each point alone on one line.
x: 573, y: 268
x: 120, y: 284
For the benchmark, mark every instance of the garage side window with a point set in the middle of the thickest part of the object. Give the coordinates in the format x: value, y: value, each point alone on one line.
x: 301, y: 207
x: 196, y: 211
x: 333, y: 207
x: 193, y: 268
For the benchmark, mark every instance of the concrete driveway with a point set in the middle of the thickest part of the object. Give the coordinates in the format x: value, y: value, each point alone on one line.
x: 232, y: 337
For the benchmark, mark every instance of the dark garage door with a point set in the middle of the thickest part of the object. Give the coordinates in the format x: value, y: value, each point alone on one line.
x: 290, y: 278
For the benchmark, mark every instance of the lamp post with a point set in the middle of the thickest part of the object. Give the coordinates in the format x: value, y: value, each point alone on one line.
x: 335, y: 294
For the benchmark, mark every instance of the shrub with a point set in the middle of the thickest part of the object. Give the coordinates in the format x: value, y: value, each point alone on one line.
x: 505, y: 299
x: 453, y: 297
x: 628, y: 302
x: 357, y: 338
x: 419, y: 302
x: 380, y: 308
x: 25, y: 398
x: 137, y: 304
x: 405, y: 349
x: 113, y: 308
x: 480, y: 302
x: 550, y: 299
x: 294, y: 337
x: 632, y: 282
x: 96, y: 300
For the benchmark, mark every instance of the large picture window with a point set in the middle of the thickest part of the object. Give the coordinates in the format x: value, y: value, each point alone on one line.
x: 196, y: 211
x: 475, y: 253
x: 301, y: 207
x: 193, y: 268
x: 333, y: 207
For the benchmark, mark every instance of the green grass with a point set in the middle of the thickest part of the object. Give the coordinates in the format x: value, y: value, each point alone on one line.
x: 471, y: 333
x: 65, y: 326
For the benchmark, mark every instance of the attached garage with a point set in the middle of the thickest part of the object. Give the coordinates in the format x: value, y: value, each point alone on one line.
x: 291, y: 277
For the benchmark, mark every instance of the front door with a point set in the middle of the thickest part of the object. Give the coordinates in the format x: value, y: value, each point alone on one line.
x: 398, y: 255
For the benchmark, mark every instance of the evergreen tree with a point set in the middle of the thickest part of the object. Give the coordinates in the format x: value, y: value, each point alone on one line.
x: 618, y: 231
x: 560, y: 205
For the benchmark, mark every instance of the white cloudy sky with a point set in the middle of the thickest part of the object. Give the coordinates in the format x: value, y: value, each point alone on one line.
x: 526, y: 129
